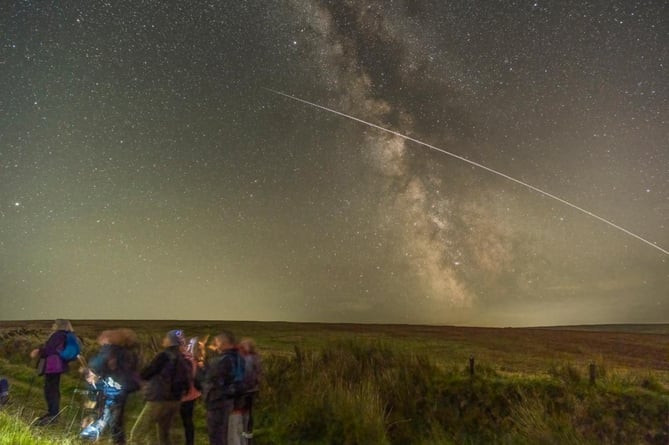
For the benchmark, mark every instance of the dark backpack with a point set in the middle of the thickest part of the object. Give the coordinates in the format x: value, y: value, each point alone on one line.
x: 251, y: 372
x: 4, y: 391
x: 240, y: 373
x: 180, y: 375
x: 127, y: 359
x: 237, y: 386
x: 72, y: 347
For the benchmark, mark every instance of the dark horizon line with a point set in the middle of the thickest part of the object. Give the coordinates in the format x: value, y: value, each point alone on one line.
x: 334, y: 323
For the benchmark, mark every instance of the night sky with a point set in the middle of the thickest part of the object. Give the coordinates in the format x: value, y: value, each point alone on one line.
x: 146, y: 172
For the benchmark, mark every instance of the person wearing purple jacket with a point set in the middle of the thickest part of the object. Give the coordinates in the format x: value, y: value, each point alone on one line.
x: 53, y: 368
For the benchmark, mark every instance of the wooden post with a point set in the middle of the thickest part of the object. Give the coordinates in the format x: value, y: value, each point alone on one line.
x: 593, y: 373
x: 298, y: 353
x: 471, y: 366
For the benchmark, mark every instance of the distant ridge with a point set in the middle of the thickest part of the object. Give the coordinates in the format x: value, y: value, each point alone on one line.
x: 638, y: 328
x: 632, y: 328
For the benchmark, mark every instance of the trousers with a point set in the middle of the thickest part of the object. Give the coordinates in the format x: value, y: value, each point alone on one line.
x: 217, y: 422
x: 155, y: 420
x: 186, y: 411
x: 52, y: 393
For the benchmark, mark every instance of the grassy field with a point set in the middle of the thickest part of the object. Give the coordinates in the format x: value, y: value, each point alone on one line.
x: 398, y: 384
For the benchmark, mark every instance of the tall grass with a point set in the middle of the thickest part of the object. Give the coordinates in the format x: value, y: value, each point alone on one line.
x: 13, y: 431
x: 536, y: 426
x: 362, y: 391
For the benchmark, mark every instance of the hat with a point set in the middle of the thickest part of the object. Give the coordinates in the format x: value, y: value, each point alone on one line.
x: 176, y: 337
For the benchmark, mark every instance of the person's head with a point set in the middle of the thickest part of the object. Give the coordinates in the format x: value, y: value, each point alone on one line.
x: 174, y: 338
x: 104, y: 338
x: 247, y: 346
x: 224, y: 340
x: 121, y: 337
x: 62, y: 325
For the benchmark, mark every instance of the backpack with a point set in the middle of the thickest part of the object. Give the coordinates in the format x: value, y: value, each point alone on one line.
x: 239, y: 373
x: 128, y: 361
x: 4, y: 391
x: 180, y: 375
x: 237, y: 386
x: 251, y: 372
x: 72, y: 347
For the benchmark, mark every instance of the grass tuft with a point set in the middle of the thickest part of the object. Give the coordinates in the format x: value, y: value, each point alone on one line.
x: 14, y: 431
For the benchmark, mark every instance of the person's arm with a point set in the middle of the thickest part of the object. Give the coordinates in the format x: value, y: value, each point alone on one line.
x: 153, y: 368
x: 257, y: 364
x: 201, y: 373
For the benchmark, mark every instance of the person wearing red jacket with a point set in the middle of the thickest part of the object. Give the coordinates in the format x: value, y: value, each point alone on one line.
x: 188, y: 401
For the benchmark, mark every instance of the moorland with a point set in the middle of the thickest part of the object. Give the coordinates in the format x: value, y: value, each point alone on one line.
x: 400, y: 384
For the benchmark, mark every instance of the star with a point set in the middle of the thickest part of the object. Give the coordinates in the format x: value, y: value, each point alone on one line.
x: 150, y: 132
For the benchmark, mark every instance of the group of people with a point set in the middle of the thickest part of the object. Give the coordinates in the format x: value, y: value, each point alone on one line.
x: 225, y: 375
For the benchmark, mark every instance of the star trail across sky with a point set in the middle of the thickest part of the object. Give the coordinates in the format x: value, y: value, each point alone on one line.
x: 147, y: 172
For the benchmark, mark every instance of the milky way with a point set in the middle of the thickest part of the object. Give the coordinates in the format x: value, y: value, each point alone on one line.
x: 391, y: 148
x: 145, y: 173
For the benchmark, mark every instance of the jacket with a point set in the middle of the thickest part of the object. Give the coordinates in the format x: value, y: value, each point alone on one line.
x: 118, y: 363
x: 157, y: 375
x: 252, y: 372
x: 51, y: 353
x: 218, y: 379
x: 193, y: 393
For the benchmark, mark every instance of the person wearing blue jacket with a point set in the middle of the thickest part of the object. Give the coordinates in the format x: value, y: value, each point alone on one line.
x: 114, y: 372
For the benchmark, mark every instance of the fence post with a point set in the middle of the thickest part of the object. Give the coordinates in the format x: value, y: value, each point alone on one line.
x: 298, y: 354
x: 593, y: 373
x: 471, y: 365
